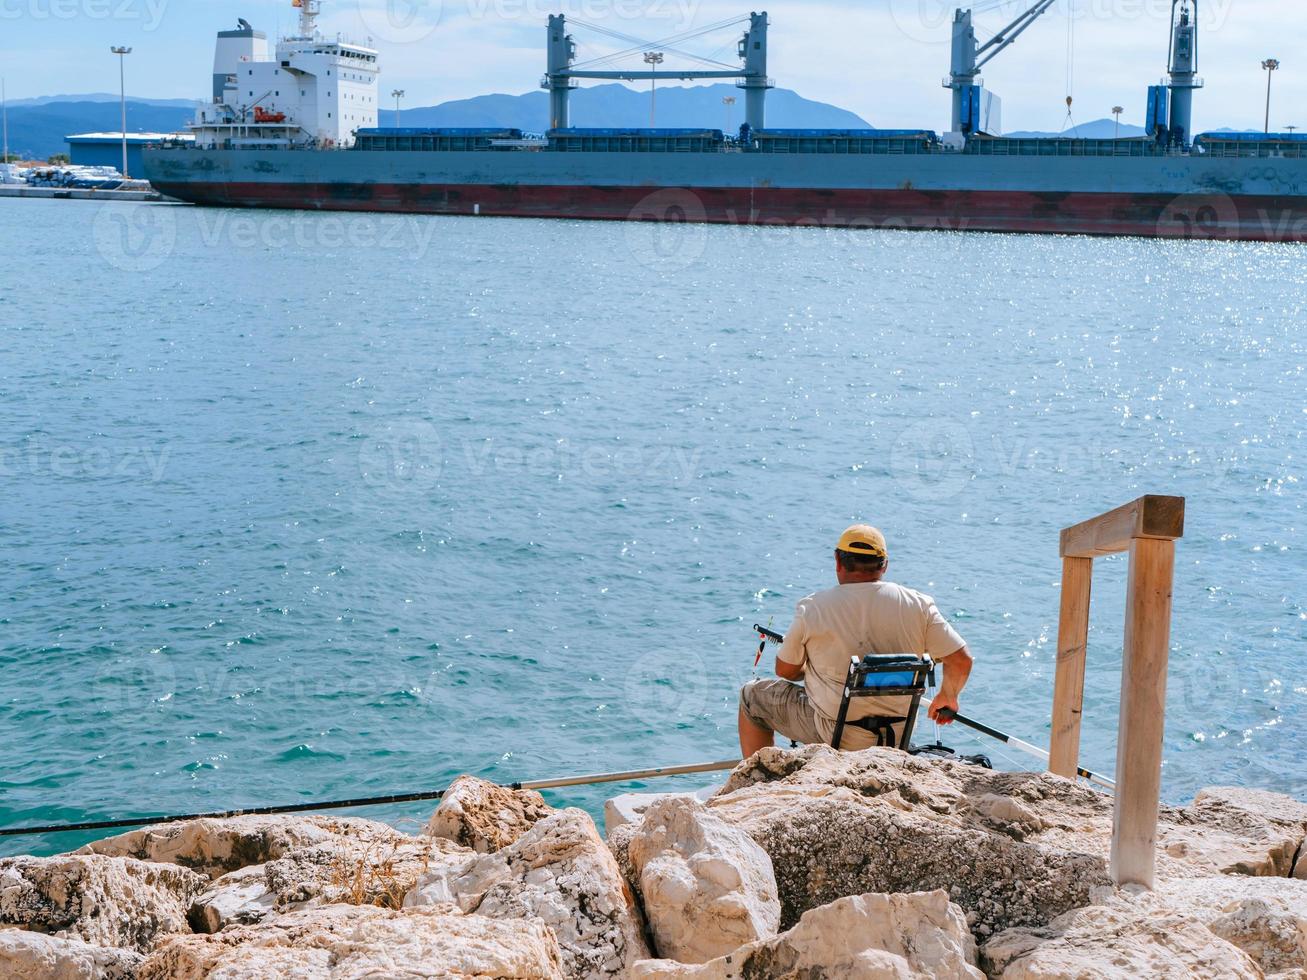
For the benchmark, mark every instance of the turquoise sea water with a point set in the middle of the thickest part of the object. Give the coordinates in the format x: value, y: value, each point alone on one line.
x: 300, y: 507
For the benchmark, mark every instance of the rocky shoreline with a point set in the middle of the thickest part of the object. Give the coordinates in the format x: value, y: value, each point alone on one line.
x: 807, y: 864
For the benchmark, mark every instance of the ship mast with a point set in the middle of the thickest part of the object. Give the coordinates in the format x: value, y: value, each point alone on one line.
x: 309, y: 10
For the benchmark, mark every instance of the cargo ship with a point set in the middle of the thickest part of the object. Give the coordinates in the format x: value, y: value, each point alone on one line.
x: 297, y: 128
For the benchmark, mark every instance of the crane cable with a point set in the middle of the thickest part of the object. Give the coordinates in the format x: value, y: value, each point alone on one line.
x: 1069, y: 122
x: 664, y: 44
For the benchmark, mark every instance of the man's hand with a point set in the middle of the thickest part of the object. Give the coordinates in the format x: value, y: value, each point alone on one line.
x: 957, y: 667
x: 939, y: 704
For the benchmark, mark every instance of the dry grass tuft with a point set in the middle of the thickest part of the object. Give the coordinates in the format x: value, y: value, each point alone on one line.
x: 365, y: 881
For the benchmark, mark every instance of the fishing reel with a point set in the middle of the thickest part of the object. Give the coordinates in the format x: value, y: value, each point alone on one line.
x: 764, y: 634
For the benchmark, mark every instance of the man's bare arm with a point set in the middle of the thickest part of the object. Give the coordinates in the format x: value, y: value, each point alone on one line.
x: 788, y: 671
x: 957, y: 668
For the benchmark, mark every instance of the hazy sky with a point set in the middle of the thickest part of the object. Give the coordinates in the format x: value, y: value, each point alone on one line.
x: 882, y: 59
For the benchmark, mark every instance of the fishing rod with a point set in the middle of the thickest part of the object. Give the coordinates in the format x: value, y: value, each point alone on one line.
x: 765, y: 635
x: 593, y: 778
x: 1017, y: 743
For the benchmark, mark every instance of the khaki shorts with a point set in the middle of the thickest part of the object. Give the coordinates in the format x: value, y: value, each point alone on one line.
x: 784, y: 707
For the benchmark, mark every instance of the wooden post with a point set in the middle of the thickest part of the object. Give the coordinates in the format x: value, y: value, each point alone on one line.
x: 1148, y: 528
x: 1143, y: 710
x: 1069, y: 683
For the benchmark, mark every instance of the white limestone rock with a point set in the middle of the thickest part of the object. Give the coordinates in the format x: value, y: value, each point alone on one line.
x: 707, y: 887
x: 1012, y: 848
x: 629, y: 808
x: 1265, y: 917
x: 35, y: 956
x: 861, y: 937
x: 215, y: 847
x: 485, y: 817
x: 1106, y: 943
x: 561, y: 873
x: 1230, y: 830
x: 348, y: 870
x: 1220, y: 926
x: 240, y: 898
x: 105, y: 901
x: 335, y: 942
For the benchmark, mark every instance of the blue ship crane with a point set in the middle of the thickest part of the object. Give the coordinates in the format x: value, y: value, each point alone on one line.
x: 969, y: 57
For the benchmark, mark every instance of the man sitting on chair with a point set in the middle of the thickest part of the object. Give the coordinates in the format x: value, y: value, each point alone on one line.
x: 863, y: 614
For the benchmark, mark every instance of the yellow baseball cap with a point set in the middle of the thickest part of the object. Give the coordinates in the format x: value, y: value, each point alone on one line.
x: 863, y: 539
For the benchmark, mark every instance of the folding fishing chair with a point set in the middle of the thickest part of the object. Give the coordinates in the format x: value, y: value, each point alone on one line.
x: 885, y: 676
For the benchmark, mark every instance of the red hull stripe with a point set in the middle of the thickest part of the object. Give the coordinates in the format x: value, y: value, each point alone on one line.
x: 1201, y: 216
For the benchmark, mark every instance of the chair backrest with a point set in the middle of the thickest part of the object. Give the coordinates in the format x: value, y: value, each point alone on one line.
x: 889, y: 674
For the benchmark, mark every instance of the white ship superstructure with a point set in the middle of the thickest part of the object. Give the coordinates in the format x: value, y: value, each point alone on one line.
x: 314, y: 90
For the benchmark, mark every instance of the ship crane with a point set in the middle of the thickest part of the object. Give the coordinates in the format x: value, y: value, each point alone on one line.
x: 1182, y: 68
x: 969, y: 57
x: 561, y: 72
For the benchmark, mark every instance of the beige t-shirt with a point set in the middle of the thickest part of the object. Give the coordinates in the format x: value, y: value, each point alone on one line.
x: 851, y: 620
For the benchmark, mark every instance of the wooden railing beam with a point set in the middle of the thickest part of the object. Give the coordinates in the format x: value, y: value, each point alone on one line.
x: 1150, y: 516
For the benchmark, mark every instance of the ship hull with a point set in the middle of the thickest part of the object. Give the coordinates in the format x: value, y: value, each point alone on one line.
x: 1247, y: 200
x: 1152, y: 215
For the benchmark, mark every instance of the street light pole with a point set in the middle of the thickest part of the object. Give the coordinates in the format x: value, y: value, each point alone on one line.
x: 1116, y: 112
x: 653, y: 59
x: 122, y: 54
x: 398, y: 94
x: 4, y: 112
x: 728, y: 101
x: 1270, y: 64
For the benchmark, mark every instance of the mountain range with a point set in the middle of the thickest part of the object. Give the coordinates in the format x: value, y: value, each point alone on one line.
x: 37, y: 127
x: 1097, y: 129
x: 618, y: 106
